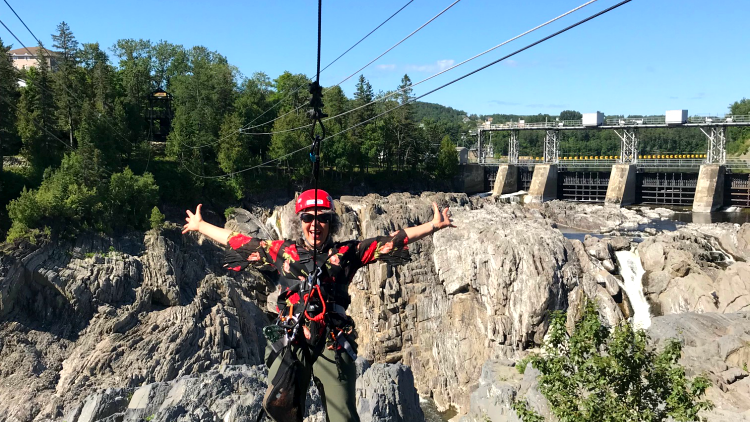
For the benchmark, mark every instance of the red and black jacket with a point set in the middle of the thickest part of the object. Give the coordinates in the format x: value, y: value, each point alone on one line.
x: 338, y: 262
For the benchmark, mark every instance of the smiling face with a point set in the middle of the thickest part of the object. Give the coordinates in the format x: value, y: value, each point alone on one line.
x: 315, y: 231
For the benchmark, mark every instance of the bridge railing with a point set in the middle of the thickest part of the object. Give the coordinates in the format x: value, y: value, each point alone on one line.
x: 615, y: 121
x: 635, y: 121
x: 653, y: 163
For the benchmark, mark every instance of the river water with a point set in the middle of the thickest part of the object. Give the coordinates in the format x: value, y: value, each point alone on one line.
x: 629, y: 262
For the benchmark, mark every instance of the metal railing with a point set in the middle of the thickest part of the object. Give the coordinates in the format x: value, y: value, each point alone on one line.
x: 616, y: 121
x: 599, y: 163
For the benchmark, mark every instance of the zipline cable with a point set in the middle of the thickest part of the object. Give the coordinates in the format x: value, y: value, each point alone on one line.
x: 368, y: 64
x: 316, y: 115
x: 248, y: 125
x: 24, y: 24
x: 425, y: 94
x: 433, y: 76
x: 327, y: 66
x: 43, y: 50
x: 109, y: 173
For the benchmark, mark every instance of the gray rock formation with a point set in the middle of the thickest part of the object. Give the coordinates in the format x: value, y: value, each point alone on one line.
x: 100, y: 313
x: 718, y: 346
x: 594, y: 218
x: 689, y: 270
x: 234, y: 393
x: 386, y: 393
x: 85, y: 322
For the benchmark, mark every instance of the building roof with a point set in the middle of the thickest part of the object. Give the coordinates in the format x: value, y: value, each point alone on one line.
x: 33, y: 50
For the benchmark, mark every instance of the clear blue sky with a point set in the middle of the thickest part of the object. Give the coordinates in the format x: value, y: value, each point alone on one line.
x: 646, y: 57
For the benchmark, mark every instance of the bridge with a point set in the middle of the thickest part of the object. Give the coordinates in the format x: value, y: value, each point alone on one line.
x: 705, y: 181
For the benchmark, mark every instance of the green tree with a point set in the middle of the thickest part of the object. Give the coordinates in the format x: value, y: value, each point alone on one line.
x: 357, y: 151
x: 94, y: 132
x: 134, y: 79
x: 36, y: 117
x: 66, y: 79
x: 291, y: 89
x: 99, y: 81
x: 9, y: 96
x: 403, y: 127
x: 234, y: 154
x: 335, y: 151
x: 251, y: 104
x: 157, y: 219
x: 167, y: 61
x: 67, y: 200
x: 598, y: 374
x: 130, y: 200
x: 202, y: 99
x: 447, y: 162
x: 570, y: 115
x: 739, y: 137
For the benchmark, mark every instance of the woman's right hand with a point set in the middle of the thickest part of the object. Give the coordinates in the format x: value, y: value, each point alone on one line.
x: 193, y: 220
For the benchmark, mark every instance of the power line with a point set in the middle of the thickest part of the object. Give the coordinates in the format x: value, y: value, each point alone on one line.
x: 437, y: 74
x: 526, y: 48
x: 370, y: 33
x: 432, y: 91
x: 398, y: 43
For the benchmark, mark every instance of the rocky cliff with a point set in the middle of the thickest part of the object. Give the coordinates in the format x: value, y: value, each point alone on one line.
x: 112, y: 328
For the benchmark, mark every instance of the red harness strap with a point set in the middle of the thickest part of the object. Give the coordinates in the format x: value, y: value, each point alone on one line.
x: 317, y: 318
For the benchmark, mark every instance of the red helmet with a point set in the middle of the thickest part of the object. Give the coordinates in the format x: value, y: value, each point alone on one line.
x: 307, y: 200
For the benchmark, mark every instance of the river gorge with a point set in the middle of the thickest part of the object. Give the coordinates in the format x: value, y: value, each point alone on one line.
x: 150, y: 327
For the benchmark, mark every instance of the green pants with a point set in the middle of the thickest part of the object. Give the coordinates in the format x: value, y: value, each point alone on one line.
x: 339, y: 395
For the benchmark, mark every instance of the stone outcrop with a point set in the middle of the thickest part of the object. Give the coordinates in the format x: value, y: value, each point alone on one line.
x: 385, y: 393
x: 100, y: 313
x: 689, y: 270
x: 717, y: 346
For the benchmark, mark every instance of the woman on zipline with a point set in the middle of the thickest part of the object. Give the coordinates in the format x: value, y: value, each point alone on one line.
x: 327, y: 350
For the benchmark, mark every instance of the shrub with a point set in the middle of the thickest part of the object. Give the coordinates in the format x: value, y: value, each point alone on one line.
x: 131, y: 197
x: 78, y: 196
x: 596, y: 374
x: 157, y: 219
x: 521, y: 364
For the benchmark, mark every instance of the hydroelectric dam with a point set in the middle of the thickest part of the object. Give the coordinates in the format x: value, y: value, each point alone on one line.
x: 705, y: 182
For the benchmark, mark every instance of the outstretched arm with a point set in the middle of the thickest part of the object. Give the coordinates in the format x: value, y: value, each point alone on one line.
x: 195, y: 223
x: 439, y: 221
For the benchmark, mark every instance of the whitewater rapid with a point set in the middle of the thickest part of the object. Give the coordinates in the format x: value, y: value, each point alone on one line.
x: 632, y: 274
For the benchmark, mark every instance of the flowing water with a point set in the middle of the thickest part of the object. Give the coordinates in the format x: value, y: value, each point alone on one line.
x: 632, y: 272
x: 431, y: 413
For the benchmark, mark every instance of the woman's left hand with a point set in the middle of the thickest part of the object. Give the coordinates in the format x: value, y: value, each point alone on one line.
x: 441, y: 219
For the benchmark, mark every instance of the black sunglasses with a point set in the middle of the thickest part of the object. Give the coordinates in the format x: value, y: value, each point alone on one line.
x: 322, y: 218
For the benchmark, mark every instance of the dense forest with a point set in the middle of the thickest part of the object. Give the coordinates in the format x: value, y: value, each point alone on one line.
x: 84, y: 151
x: 88, y: 143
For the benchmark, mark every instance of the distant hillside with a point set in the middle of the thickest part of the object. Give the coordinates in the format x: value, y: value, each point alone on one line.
x: 437, y: 112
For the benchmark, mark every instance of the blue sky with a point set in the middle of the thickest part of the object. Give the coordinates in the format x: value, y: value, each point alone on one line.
x: 645, y: 57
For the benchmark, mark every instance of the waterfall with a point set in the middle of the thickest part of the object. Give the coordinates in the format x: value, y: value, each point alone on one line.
x: 632, y: 274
